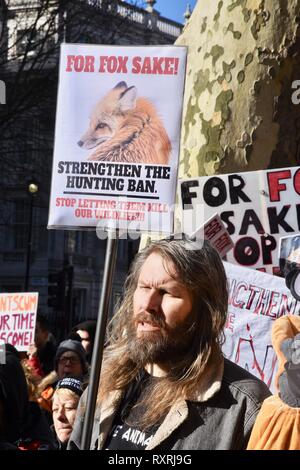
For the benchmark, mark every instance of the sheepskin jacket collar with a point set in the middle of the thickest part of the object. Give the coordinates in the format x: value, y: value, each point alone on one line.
x: 208, y: 387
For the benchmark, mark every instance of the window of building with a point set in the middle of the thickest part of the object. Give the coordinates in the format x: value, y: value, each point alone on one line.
x: 81, y: 243
x: 27, y: 41
x: 32, y: 42
x: 20, y: 225
x: 80, y: 304
x: 40, y: 232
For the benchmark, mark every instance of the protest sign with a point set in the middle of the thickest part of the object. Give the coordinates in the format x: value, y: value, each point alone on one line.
x: 214, y: 230
x: 257, y: 208
x: 17, y: 318
x: 256, y: 299
x: 117, y: 137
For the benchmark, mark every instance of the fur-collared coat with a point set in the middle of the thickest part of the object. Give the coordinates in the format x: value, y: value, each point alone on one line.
x: 227, y: 403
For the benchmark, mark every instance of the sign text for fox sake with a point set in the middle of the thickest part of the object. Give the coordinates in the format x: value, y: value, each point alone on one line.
x: 257, y: 208
x: 117, y: 137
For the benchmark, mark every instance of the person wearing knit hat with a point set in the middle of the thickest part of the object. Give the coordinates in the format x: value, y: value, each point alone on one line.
x: 65, y: 402
x: 70, y: 359
x: 71, y: 383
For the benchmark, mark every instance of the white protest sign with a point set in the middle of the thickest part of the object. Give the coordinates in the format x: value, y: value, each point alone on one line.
x: 2, y: 352
x: 117, y: 137
x: 17, y: 318
x: 258, y: 208
x: 256, y: 299
x: 214, y: 230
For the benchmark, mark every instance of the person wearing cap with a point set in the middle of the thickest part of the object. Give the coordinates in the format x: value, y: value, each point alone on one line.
x: 65, y: 402
x: 165, y: 384
x: 70, y: 361
x: 277, y: 426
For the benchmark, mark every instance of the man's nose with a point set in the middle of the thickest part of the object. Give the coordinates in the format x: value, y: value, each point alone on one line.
x: 152, y: 300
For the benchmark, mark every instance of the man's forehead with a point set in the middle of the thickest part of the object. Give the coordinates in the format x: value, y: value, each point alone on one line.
x: 158, y: 269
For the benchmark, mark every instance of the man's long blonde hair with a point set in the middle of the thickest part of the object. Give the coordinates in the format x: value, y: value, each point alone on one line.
x: 201, y: 270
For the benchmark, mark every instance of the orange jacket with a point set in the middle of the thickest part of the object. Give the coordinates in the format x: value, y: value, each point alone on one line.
x: 45, y: 398
x: 277, y: 426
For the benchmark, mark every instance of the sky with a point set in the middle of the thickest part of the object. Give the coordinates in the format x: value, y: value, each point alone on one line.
x: 173, y: 9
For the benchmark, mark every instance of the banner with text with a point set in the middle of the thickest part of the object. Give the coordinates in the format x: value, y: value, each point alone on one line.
x: 117, y: 136
x: 17, y: 318
x: 214, y: 230
x: 256, y: 299
x: 258, y: 208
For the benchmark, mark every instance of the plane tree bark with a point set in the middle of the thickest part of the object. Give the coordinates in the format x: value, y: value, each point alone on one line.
x: 241, y: 111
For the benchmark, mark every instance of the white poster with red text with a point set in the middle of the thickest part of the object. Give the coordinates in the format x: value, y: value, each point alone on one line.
x: 117, y: 137
x: 256, y: 299
x: 17, y: 318
x: 258, y: 208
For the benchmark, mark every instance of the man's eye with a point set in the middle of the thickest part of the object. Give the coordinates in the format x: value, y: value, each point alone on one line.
x: 163, y: 291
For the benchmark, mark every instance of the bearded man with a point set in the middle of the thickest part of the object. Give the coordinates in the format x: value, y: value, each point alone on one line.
x: 165, y: 383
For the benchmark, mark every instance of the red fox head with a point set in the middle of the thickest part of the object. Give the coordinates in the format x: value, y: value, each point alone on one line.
x: 108, y: 115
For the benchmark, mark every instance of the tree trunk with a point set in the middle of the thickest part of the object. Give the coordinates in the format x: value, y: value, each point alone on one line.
x: 239, y: 115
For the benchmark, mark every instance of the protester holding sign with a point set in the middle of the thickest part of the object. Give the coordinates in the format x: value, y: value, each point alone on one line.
x: 165, y: 383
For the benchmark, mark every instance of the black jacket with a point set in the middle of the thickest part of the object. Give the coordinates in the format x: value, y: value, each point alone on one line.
x: 13, y: 397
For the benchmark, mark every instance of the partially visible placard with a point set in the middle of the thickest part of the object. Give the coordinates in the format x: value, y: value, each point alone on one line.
x: 256, y: 299
x: 257, y: 207
x: 17, y: 318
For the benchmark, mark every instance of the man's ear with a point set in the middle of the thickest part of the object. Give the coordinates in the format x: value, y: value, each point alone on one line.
x: 127, y: 99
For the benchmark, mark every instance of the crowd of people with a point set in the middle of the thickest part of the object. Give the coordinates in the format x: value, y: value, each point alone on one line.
x: 165, y: 383
x: 39, y: 393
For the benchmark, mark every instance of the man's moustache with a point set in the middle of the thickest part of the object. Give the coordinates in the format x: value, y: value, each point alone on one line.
x: 150, y: 318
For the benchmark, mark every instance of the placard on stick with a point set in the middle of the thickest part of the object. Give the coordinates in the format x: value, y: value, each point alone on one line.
x: 117, y: 137
x: 17, y: 318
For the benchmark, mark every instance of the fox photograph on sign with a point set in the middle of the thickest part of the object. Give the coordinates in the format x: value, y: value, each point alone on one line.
x: 127, y: 129
x: 115, y: 161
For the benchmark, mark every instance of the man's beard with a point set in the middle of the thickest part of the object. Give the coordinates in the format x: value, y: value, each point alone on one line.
x: 159, y: 346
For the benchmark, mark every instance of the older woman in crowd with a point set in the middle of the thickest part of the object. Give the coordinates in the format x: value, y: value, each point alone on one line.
x: 65, y: 402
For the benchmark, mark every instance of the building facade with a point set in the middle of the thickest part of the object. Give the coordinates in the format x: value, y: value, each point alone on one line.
x: 30, y: 255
